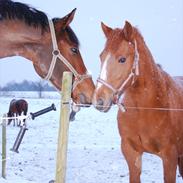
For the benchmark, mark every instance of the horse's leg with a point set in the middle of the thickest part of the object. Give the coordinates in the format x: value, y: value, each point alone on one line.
x: 170, y: 160
x: 180, y: 163
x: 9, y: 115
x: 19, y: 121
x: 14, y: 120
x: 134, y: 161
x: 25, y: 112
x: 9, y: 121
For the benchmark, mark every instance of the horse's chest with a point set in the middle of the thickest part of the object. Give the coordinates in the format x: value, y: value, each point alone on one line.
x: 148, y: 134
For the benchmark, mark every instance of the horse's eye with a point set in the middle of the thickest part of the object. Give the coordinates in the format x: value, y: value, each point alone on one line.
x: 122, y: 60
x: 74, y: 50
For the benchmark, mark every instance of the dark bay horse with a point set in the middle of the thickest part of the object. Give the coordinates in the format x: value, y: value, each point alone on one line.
x: 51, y: 45
x: 17, y: 108
x: 150, y: 116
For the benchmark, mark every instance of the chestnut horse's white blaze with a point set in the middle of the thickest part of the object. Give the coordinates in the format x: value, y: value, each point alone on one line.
x: 103, y: 72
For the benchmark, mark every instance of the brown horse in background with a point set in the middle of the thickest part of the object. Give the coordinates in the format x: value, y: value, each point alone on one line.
x: 51, y: 45
x: 150, y: 116
x: 17, y: 108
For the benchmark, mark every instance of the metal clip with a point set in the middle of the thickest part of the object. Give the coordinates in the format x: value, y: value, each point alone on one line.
x: 122, y: 107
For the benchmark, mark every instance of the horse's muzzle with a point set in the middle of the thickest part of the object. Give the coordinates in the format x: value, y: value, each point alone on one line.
x: 102, y: 105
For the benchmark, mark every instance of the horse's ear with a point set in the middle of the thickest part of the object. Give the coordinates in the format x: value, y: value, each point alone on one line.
x: 68, y: 19
x: 128, y: 31
x: 107, y: 30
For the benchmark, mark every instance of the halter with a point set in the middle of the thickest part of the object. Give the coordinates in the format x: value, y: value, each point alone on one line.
x: 134, y: 72
x: 57, y: 55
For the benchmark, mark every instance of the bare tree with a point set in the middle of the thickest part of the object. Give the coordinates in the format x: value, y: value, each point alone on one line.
x: 40, y: 87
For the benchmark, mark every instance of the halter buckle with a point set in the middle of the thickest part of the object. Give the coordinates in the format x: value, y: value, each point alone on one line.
x: 121, y: 107
x: 56, y: 52
x: 78, y: 78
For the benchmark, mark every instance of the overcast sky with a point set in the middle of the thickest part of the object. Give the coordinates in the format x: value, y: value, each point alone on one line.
x: 160, y: 22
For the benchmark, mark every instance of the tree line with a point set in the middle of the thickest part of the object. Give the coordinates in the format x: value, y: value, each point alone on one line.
x: 27, y: 86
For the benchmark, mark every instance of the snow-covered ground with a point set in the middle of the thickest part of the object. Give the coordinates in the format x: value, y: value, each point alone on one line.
x: 94, y: 154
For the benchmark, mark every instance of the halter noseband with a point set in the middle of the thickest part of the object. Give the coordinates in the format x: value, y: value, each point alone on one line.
x: 134, y: 72
x: 56, y: 54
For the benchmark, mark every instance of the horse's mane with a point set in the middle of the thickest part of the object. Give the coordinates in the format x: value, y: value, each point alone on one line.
x: 157, y: 66
x: 72, y: 35
x: 16, y: 10
x: 10, y: 10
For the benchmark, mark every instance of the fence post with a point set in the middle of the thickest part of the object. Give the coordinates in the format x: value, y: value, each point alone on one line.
x: 4, y: 148
x: 63, y: 128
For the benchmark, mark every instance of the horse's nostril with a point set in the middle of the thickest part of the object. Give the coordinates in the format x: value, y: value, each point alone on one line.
x: 100, y: 102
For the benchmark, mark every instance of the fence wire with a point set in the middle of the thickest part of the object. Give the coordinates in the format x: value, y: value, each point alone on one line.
x: 133, y: 107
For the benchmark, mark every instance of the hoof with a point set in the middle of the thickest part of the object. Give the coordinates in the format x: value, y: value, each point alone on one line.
x: 51, y: 181
x: 72, y: 116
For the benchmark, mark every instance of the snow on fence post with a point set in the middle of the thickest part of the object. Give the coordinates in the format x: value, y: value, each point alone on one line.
x: 4, y: 148
x: 63, y: 128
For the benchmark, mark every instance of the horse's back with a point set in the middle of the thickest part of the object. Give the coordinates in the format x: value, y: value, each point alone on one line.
x: 18, y: 106
x: 22, y: 105
x: 178, y: 80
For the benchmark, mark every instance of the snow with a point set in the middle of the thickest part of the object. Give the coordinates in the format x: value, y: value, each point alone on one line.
x: 94, y: 154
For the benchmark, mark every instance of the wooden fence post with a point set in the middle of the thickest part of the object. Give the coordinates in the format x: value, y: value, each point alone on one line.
x: 4, y: 148
x: 63, y: 128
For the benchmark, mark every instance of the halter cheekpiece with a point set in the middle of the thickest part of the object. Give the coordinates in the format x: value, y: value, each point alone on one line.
x: 134, y: 72
x: 57, y: 55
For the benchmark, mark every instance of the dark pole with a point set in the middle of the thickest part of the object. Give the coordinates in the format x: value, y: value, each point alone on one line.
x: 43, y: 111
x: 23, y: 128
x: 19, y: 139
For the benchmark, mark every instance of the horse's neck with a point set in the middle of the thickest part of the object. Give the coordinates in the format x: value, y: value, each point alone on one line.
x: 147, y: 85
x: 19, y: 39
x: 148, y: 68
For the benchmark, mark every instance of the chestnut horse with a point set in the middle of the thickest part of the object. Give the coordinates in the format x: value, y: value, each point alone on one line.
x: 51, y: 45
x: 150, y: 115
x: 17, y: 108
